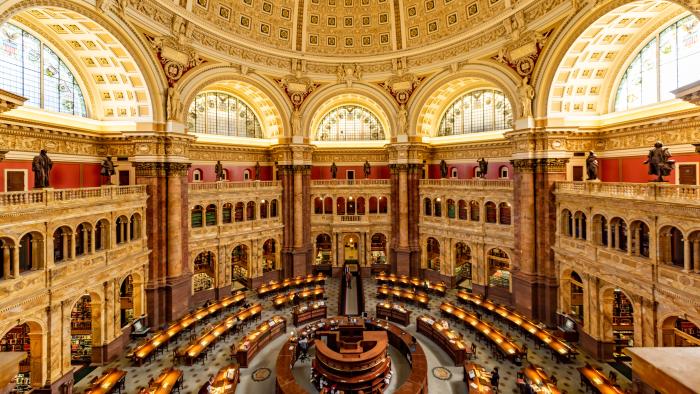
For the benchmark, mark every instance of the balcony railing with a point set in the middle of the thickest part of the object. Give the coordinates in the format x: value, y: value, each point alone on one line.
x: 633, y: 191
x: 351, y: 182
x: 44, y: 197
x: 220, y: 186
x: 489, y: 184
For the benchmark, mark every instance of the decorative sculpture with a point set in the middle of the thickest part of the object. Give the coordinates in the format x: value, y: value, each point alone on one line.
x: 592, y: 166
x: 367, y: 168
x: 659, y: 162
x: 41, y: 165
x: 526, y: 93
x: 219, y: 170
x: 402, y: 120
x: 257, y: 170
x: 107, y: 170
x: 174, y: 107
x: 296, y: 122
x: 334, y: 170
x: 483, y: 167
x: 443, y: 169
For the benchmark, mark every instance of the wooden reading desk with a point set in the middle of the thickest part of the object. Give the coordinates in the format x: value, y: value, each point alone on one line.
x: 300, y: 281
x: 225, y: 381
x: 255, y: 341
x: 393, y: 312
x: 537, y: 379
x: 415, y: 297
x: 111, y: 380
x: 478, y: 380
x: 294, y: 297
x: 595, y: 379
x: 449, y: 340
x: 439, y: 288
x: 169, y: 380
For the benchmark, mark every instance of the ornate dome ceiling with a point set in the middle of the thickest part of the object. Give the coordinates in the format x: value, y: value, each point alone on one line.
x: 348, y: 27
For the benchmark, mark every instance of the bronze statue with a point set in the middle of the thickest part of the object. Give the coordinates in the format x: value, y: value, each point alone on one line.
x: 334, y: 170
x: 443, y: 169
x: 41, y: 165
x: 219, y: 171
x: 659, y: 162
x: 368, y: 169
x: 107, y: 169
x: 483, y: 167
x: 257, y: 170
x: 592, y: 166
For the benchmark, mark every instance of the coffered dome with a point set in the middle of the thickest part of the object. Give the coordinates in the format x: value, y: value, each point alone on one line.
x: 348, y: 27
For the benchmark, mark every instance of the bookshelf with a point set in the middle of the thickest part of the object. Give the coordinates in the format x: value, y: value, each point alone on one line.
x: 622, y: 322
x: 17, y: 340
x: 202, y: 281
x: 686, y: 333
x: 81, y: 331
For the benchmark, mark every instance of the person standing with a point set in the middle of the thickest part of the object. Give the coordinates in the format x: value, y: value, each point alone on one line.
x: 348, y: 279
x: 495, y: 378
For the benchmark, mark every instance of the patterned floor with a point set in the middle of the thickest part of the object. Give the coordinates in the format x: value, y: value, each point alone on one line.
x: 195, y: 376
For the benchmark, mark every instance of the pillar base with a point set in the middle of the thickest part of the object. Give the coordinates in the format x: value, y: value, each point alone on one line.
x: 62, y: 385
x: 597, y: 349
x: 479, y: 289
x: 435, y: 276
x: 300, y: 263
x: 113, y: 350
x: 402, y: 262
x: 178, y: 293
x: 201, y: 297
x: 535, y: 296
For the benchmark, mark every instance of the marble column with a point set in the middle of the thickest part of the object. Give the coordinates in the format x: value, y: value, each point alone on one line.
x: 92, y: 240
x: 696, y: 255
x: 6, y: 262
x: 15, y: 261
x: 686, y: 255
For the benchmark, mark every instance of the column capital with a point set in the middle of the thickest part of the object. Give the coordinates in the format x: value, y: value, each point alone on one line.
x: 159, y: 169
x: 542, y: 165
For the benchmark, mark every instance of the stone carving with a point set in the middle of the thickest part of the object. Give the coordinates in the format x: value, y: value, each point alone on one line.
x: 107, y: 169
x: 483, y: 167
x: 592, y: 166
x: 174, y: 106
x: 297, y: 86
x: 257, y: 171
x: 367, y: 168
x: 175, y: 56
x: 659, y: 161
x: 349, y: 74
x: 334, y: 170
x: 219, y: 171
x: 41, y: 166
x: 402, y: 121
x: 527, y: 94
x: 296, y: 122
x: 402, y: 84
x: 443, y: 169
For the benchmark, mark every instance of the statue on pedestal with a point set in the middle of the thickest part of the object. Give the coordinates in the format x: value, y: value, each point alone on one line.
x: 107, y: 169
x: 659, y: 162
x: 527, y: 94
x: 592, y: 166
x: 41, y: 165
x: 483, y: 167
x: 334, y: 170
x: 257, y: 170
x: 219, y: 171
x: 367, y: 168
x: 443, y: 169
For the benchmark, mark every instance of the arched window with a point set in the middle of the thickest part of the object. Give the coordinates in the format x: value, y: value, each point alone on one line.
x: 350, y: 123
x: 328, y: 206
x: 269, y: 255
x: 463, y: 264
x: 491, y: 214
x: 360, y: 205
x: 474, y: 211
x: 566, y: 223
x: 504, y: 213
x: 196, y: 175
x: 224, y: 114
x: 323, y: 249
x: 273, y: 208
x: 135, y: 227
x: 668, y: 61
x: 82, y: 239
x: 373, y: 205
x: 197, y: 213
x: 246, y: 175
x: 499, y: 268
x: 437, y: 207
x: 503, y: 172
x: 239, y: 262
x: 226, y: 213
x: 618, y: 229
x: 250, y: 211
x: 462, y: 210
x: 122, y: 223
x: 476, y: 112
x: 238, y: 213
x: 383, y: 204
x: 340, y: 206
x: 204, y: 271
x: 318, y: 206
x: 451, y: 209
x: 32, y: 70
x: 576, y: 293
x: 453, y: 172
x: 211, y: 215
x: 378, y: 248
x: 264, y: 207
x: 600, y: 230
x: 433, y: 254
x: 350, y: 206
x: 62, y: 245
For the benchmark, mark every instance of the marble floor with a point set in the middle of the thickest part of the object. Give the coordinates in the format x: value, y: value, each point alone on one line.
x: 195, y: 376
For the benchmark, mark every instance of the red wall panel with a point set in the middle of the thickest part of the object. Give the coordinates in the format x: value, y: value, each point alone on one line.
x: 235, y: 173
x: 633, y: 169
x: 466, y: 170
x: 324, y: 172
x: 62, y: 176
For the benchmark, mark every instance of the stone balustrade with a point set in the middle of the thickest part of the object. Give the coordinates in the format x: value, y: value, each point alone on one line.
x: 685, y: 194
x: 471, y: 184
x: 47, y: 198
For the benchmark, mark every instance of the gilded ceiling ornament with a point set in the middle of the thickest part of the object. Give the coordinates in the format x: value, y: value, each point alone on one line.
x: 175, y: 57
x: 522, y: 54
x: 349, y: 74
x: 297, y: 86
x: 402, y: 84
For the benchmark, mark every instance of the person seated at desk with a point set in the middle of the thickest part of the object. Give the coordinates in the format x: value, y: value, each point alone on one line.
x: 304, y: 345
x: 206, y: 389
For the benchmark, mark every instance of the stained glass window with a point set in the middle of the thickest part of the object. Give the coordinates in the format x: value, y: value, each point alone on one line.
x: 350, y: 123
x: 24, y: 59
x: 223, y: 114
x: 668, y: 61
x: 476, y: 112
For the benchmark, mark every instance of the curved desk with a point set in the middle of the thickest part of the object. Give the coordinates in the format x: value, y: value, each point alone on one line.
x: 415, y: 383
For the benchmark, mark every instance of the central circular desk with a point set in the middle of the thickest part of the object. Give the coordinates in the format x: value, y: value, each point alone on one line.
x: 357, y: 365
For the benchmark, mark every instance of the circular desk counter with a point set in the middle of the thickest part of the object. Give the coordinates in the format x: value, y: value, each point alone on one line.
x: 415, y: 383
